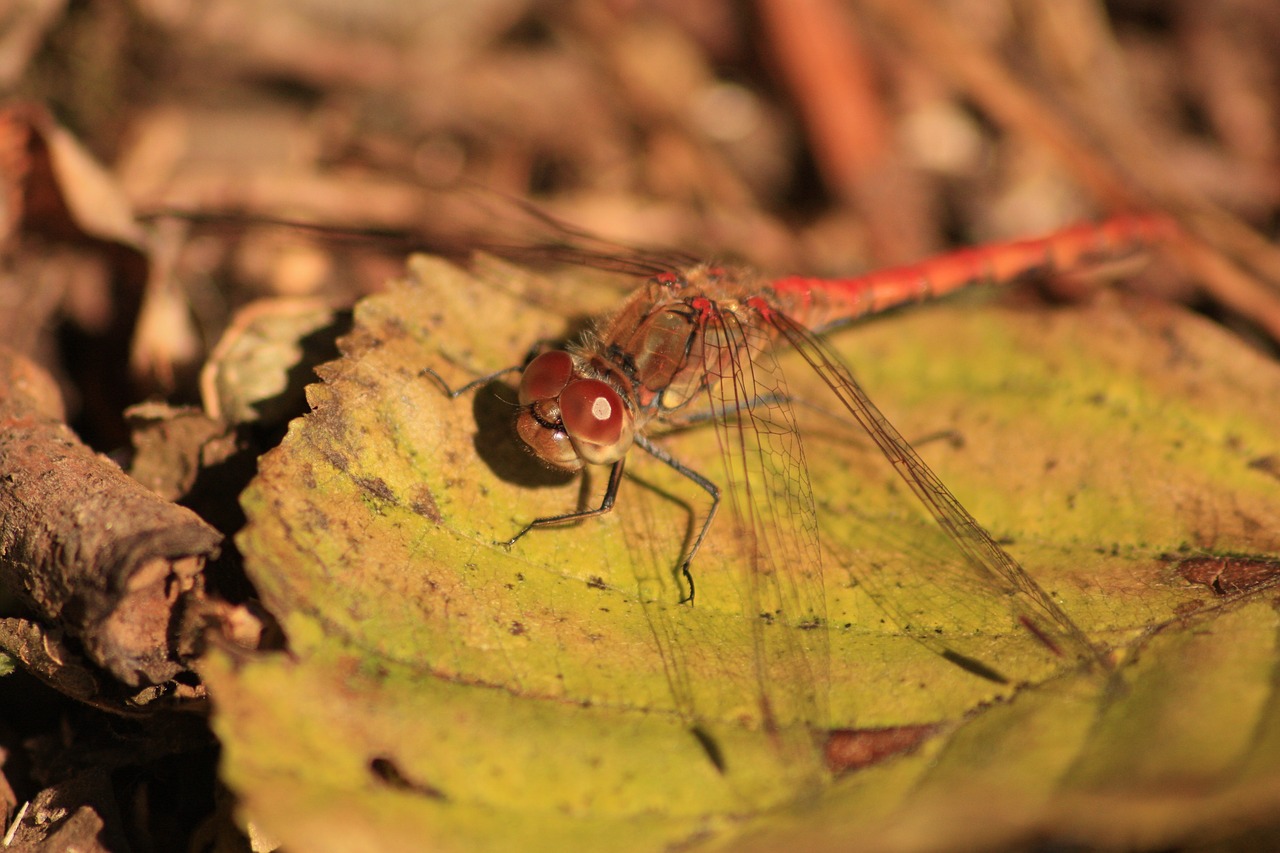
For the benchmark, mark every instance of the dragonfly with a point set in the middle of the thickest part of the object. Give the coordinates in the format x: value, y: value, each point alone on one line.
x: 708, y: 344
x: 710, y: 332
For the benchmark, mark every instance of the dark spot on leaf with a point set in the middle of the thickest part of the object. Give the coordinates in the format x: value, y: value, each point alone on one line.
x: 596, y: 582
x: 951, y: 437
x: 710, y: 747
x: 974, y: 666
x: 1186, y: 608
x: 336, y: 460
x: 377, y: 487
x: 424, y: 504
x: 517, y: 629
x: 316, y: 517
x: 393, y: 328
x: 847, y: 750
x: 389, y: 773
x: 1230, y: 575
x: 1269, y: 465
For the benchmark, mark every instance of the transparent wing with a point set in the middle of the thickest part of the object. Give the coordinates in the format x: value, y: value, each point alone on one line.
x: 769, y: 508
x: 761, y: 568
x: 770, y: 505
x: 941, y: 577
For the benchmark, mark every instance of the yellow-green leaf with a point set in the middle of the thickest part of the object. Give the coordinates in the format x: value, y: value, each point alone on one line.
x: 444, y: 692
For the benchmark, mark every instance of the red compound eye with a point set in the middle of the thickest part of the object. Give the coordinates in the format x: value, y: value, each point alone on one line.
x: 597, y: 422
x: 545, y: 377
x: 592, y: 411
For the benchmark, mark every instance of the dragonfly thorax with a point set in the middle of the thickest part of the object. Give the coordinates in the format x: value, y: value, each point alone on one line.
x: 568, y: 419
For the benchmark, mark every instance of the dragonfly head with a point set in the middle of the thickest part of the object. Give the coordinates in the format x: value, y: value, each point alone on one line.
x: 568, y: 420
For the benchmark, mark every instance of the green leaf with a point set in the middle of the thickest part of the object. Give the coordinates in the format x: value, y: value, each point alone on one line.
x: 442, y: 691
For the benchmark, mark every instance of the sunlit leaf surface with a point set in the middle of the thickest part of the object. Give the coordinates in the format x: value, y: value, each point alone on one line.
x: 442, y: 691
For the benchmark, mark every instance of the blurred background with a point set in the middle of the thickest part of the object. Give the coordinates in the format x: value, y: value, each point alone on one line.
x: 822, y: 136
x: 300, y: 149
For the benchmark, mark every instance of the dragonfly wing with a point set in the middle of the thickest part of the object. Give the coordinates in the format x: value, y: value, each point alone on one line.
x: 949, y: 583
x: 769, y: 505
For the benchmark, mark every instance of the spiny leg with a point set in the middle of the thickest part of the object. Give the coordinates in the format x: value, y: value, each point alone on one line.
x: 709, y: 487
x: 454, y: 393
x: 610, y: 495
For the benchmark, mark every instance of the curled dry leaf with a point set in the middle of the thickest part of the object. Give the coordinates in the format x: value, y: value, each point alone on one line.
x: 257, y: 372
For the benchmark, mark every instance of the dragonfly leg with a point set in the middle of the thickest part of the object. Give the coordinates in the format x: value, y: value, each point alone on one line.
x: 950, y: 437
x: 610, y: 495
x: 703, y: 416
x: 454, y: 393
x: 698, y: 417
x: 709, y: 487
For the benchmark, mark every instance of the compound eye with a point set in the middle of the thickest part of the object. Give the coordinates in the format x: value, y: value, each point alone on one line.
x: 596, y: 420
x: 545, y: 377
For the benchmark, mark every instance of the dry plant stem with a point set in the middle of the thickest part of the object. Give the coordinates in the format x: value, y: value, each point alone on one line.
x: 88, y: 550
x: 1253, y: 251
x: 980, y: 75
x: 1234, y: 287
x: 1122, y: 132
x: 1010, y: 103
x: 1119, y: 127
x: 832, y: 82
x: 824, y: 63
